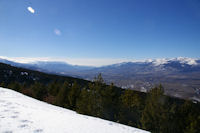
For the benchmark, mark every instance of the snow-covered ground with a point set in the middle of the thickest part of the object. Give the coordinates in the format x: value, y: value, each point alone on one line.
x: 22, y: 114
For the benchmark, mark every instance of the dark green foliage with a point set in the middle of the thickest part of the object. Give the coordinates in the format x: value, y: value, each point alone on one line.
x: 94, y: 104
x: 15, y: 86
x: 99, y: 100
x: 153, y: 116
x: 131, y: 108
x: 61, y: 98
x: 110, y: 102
x: 82, y: 102
x: 92, y: 98
x: 190, y: 117
x: 53, y: 88
x: 2, y: 84
x: 74, y: 93
x: 153, y: 111
x: 39, y: 91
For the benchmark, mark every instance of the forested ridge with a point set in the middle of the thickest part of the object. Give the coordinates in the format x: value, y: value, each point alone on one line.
x: 152, y: 111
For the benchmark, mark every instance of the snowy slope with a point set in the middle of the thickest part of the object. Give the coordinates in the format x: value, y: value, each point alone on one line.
x: 22, y: 114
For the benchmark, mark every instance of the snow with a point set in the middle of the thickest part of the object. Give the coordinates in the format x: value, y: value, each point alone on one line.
x: 24, y: 73
x: 22, y: 114
x: 182, y: 60
x: 188, y: 61
x: 98, y: 62
x: 158, y: 62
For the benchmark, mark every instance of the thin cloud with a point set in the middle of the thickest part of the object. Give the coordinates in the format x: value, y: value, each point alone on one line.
x: 57, y: 32
x: 31, y: 10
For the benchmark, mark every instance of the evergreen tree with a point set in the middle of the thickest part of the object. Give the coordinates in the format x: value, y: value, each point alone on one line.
x: 82, y: 103
x: 131, y: 108
x: 99, y: 79
x: 15, y: 86
x: 91, y: 98
x: 153, y: 116
x: 193, y: 124
x: 2, y: 84
x: 39, y: 90
x: 110, y: 102
x: 190, y: 117
x: 53, y: 88
x: 73, y: 95
x: 95, y: 99
x: 61, y: 98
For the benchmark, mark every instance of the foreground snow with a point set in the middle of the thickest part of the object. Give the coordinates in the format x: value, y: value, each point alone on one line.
x: 22, y: 114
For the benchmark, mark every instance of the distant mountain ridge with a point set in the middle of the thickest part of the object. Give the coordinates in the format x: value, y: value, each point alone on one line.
x: 180, y: 76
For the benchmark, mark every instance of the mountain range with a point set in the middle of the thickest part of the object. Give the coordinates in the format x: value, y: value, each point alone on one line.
x: 179, y: 76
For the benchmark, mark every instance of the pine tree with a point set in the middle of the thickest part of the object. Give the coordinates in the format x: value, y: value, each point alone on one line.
x: 131, y: 108
x: 110, y: 102
x: 53, y: 88
x: 2, y: 84
x: 190, y: 117
x: 91, y: 98
x: 61, y: 98
x: 15, y: 86
x: 153, y: 116
x: 39, y: 90
x: 73, y: 95
x: 99, y: 79
x: 82, y: 103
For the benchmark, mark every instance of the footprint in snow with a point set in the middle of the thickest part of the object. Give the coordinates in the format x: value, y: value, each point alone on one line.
x: 38, y: 131
x: 85, y: 117
x: 8, y: 103
x: 5, y: 105
x: 23, y: 126
x: 7, y: 132
x: 14, y: 116
x: 2, y: 101
x: 2, y: 117
x: 12, y: 107
x: 15, y: 112
x: 5, y: 110
x: 26, y: 121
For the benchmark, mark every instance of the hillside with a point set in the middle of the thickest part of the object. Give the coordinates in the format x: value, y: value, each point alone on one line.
x: 22, y: 114
x: 10, y: 74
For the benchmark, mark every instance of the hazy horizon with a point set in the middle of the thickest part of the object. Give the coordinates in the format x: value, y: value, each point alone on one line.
x: 94, y: 62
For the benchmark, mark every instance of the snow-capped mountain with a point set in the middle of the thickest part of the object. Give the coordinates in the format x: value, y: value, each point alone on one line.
x: 22, y: 114
x: 180, y: 76
x: 63, y: 67
x: 188, y: 61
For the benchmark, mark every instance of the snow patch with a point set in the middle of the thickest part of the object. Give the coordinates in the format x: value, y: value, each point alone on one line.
x: 188, y: 61
x: 158, y: 62
x: 24, y: 73
x: 183, y: 60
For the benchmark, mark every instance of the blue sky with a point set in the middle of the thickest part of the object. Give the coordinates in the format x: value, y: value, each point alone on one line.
x: 103, y: 29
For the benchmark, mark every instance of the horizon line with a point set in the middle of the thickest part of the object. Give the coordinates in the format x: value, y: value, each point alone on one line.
x: 93, y: 62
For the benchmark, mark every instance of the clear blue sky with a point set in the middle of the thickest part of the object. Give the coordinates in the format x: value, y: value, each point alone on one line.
x: 135, y: 29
